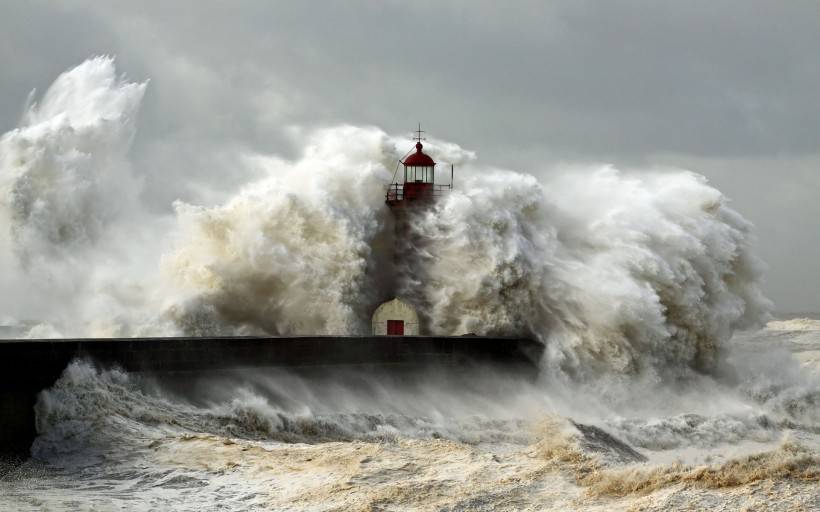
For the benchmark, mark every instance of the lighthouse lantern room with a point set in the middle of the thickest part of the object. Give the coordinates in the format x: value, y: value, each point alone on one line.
x: 419, y: 182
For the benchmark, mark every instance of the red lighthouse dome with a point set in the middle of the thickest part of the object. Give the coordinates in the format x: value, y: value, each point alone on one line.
x: 419, y: 158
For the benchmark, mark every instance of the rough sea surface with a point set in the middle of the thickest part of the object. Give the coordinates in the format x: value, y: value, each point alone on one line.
x: 749, y: 440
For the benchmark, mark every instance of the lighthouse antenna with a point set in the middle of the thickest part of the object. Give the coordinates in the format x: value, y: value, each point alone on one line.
x: 418, y: 133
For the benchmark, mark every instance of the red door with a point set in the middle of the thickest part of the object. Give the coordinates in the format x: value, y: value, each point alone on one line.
x: 395, y: 327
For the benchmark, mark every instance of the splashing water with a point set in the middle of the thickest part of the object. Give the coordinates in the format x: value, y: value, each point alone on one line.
x: 65, y: 173
x: 614, y: 272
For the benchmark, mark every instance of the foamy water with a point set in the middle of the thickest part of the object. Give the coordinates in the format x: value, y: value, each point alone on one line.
x: 656, y: 389
x: 273, y: 440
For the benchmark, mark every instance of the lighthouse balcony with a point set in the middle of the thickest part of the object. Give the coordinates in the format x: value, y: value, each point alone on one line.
x: 403, y: 193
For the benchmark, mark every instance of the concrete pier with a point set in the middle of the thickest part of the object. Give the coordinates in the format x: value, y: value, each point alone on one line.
x: 29, y: 366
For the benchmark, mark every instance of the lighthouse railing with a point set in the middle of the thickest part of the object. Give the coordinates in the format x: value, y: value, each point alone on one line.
x: 440, y: 190
x: 395, y: 192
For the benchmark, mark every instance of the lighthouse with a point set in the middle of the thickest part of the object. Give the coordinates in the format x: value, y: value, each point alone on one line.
x: 412, y: 191
x: 418, y: 185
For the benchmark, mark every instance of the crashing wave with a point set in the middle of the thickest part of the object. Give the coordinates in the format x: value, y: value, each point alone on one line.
x: 615, y: 272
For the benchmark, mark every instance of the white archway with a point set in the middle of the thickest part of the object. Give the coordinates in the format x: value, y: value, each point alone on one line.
x: 395, y: 318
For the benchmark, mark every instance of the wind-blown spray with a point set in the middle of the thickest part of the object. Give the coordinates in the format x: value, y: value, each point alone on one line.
x: 614, y: 272
x: 611, y: 271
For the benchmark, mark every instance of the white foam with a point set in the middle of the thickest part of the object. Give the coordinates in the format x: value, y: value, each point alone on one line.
x: 794, y: 324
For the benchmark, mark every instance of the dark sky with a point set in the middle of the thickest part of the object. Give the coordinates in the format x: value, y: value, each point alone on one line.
x: 728, y: 89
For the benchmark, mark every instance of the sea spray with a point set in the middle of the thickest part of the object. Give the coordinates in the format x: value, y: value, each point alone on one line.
x: 614, y: 272
x: 65, y: 175
x: 617, y: 273
x: 291, y: 254
x: 69, y: 200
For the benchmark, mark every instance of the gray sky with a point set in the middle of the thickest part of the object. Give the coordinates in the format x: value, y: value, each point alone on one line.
x: 725, y: 88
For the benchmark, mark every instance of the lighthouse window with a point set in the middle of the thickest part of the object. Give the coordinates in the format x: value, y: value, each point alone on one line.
x: 418, y: 173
